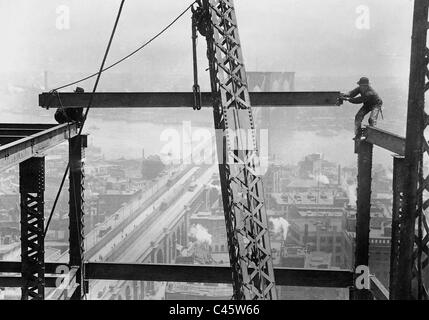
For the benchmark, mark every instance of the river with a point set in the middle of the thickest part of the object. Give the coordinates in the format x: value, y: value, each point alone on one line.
x: 127, y: 139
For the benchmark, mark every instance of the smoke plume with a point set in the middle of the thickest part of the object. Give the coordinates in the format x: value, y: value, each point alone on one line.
x: 201, y: 234
x: 280, y: 226
x: 321, y: 178
x: 351, y: 193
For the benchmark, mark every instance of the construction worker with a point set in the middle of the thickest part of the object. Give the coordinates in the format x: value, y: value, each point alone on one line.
x: 64, y: 115
x: 372, y: 103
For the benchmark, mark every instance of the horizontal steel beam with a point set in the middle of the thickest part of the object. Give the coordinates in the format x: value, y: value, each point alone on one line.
x: 61, y: 292
x: 20, y: 150
x: 5, y: 139
x: 213, y: 274
x: 10, y: 132
x: 27, y: 126
x: 385, y: 139
x: 51, y: 277
x: 185, y: 273
x: 181, y: 99
x: 18, y: 131
x: 15, y: 267
x: 16, y: 281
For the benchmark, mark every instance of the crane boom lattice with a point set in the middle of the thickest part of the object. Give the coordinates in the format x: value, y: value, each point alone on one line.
x: 239, y: 162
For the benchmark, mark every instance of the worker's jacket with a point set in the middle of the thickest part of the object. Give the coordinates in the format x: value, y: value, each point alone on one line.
x: 369, y: 98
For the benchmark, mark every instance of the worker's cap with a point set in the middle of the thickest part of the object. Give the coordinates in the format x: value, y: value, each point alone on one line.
x: 363, y: 80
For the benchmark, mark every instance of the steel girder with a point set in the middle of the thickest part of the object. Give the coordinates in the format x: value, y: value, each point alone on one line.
x: 363, y: 211
x: 182, y: 99
x: 385, y: 140
x: 298, y: 277
x: 35, y: 144
x: 414, y: 230
x: 76, y: 214
x: 32, y: 187
x: 397, y: 218
x: 242, y: 189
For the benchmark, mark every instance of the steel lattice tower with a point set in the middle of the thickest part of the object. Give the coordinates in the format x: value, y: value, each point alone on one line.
x: 32, y: 188
x: 239, y: 164
x: 412, y: 265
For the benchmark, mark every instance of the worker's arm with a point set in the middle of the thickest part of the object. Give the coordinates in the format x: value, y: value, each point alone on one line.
x: 357, y: 100
x: 352, y: 93
x: 348, y: 96
x: 367, y: 97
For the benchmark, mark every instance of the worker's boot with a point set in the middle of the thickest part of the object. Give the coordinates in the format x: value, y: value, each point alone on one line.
x: 358, y: 138
x: 359, y: 135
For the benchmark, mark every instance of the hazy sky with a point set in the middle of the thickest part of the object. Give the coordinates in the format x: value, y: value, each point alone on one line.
x: 310, y: 37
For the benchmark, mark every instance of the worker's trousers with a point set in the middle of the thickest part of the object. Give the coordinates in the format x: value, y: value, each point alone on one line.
x: 373, y: 117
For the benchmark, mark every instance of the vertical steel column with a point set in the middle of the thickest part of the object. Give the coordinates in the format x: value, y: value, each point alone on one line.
x: 413, y: 245
x: 397, y: 218
x: 76, y: 213
x: 363, y: 210
x: 31, y: 188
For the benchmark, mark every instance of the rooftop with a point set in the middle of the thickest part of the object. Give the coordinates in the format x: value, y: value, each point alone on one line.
x: 318, y: 259
x: 207, y: 215
x: 314, y: 224
x: 314, y: 197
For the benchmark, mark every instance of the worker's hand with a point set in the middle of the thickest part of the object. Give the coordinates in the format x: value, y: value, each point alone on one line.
x: 340, y: 101
x: 343, y: 97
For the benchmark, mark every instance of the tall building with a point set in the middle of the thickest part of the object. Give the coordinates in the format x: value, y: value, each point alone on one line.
x: 379, y: 245
x: 320, y: 235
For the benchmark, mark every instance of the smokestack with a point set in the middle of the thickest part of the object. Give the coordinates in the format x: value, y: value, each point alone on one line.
x: 143, y: 154
x: 276, y: 181
x: 339, y: 174
x: 305, y: 234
